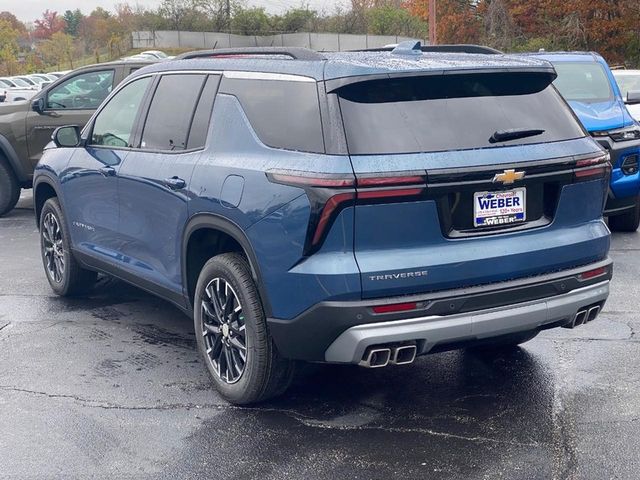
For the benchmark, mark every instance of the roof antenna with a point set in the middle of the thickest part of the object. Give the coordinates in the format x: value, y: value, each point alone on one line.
x: 409, y: 47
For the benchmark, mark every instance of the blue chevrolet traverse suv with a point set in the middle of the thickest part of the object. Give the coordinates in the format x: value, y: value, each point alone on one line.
x: 357, y: 208
x: 587, y: 83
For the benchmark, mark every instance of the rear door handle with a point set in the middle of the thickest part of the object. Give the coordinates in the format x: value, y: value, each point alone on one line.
x: 175, y: 183
x: 108, y: 171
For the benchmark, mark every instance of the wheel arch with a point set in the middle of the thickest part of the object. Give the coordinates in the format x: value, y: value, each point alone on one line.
x: 8, y: 152
x: 201, y: 223
x: 43, y: 190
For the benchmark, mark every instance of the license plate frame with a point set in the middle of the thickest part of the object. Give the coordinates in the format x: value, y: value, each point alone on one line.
x: 513, y: 209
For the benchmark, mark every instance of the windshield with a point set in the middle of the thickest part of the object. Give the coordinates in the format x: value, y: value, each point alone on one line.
x: 4, y: 83
x: 453, y: 112
x: 20, y: 83
x: 628, y: 83
x: 583, y: 82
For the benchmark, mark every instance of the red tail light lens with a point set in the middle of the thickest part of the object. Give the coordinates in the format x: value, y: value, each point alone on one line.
x: 330, y: 193
x: 592, y: 168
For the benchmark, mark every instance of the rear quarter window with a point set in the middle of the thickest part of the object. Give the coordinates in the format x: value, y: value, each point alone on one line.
x: 285, y: 114
x: 452, y: 112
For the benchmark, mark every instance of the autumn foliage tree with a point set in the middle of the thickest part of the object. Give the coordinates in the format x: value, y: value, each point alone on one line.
x: 611, y: 27
x: 49, y: 24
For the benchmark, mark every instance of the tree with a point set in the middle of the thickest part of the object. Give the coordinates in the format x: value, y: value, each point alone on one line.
x: 250, y: 21
x: 72, y: 21
x: 389, y: 20
x: 458, y: 21
x: 49, y: 24
x: 296, y: 20
x: 218, y: 12
x: 8, y: 46
x: 59, y: 48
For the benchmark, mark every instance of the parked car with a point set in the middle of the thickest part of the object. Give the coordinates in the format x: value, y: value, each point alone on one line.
x: 22, y: 83
x: 160, y: 55
x: 629, y: 83
x: 11, y: 92
x: 26, y: 127
x: 356, y: 208
x: 21, y: 80
x: 586, y: 82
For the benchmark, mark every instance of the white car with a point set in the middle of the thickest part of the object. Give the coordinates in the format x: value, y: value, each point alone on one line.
x: 629, y: 83
x: 10, y: 91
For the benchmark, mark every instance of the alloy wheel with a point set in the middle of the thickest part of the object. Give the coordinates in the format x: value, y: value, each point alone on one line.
x: 223, y: 329
x: 53, y: 248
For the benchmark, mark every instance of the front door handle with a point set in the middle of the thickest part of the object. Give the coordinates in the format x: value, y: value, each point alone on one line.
x: 108, y: 171
x: 175, y: 183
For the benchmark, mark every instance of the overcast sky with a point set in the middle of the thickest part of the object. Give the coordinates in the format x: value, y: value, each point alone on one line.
x: 29, y: 10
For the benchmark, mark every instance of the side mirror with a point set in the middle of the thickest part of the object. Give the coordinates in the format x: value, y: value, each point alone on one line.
x: 633, y: 98
x: 67, y: 136
x: 38, y: 105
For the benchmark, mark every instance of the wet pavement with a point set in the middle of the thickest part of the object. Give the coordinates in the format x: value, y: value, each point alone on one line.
x: 110, y: 386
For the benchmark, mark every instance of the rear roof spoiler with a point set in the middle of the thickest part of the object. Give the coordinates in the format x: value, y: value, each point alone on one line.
x: 336, y: 83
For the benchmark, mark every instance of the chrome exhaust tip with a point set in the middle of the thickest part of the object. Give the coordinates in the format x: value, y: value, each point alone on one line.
x: 593, y: 313
x: 376, y: 358
x: 403, y: 355
x: 581, y: 317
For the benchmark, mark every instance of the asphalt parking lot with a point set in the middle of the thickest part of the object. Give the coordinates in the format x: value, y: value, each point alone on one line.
x: 109, y: 386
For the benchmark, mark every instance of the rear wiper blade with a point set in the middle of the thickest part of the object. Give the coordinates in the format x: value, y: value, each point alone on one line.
x: 514, y: 134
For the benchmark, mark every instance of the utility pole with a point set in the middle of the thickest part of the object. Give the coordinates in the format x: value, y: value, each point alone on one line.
x: 433, y: 23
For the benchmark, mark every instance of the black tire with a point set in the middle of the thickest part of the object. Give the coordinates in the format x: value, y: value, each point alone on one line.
x: 262, y: 374
x: 628, y: 221
x: 9, y: 188
x: 71, y: 279
x: 504, y: 342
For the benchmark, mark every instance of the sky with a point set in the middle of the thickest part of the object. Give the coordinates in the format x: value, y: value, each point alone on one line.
x: 29, y: 10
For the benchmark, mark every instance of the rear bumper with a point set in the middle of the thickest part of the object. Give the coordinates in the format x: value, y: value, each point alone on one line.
x: 341, y: 331
x: 430, y: 331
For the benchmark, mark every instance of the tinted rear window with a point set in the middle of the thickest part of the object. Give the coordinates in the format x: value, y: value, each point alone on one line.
x: 452, y: 112
x: 284, y: 114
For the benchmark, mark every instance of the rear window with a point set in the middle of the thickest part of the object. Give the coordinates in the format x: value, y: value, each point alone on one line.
x: 585, y: 82
x: 452, y: 112
x: 284, y: 114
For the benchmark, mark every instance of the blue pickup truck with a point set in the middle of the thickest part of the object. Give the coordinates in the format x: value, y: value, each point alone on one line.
x: 586, y: 82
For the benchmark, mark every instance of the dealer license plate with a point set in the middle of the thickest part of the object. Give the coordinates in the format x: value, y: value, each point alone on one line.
x: 493, y: 209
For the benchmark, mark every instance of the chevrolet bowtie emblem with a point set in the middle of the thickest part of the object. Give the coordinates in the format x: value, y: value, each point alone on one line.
x: 508, y: 177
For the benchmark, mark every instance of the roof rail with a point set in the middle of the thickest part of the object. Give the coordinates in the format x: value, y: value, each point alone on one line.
x: 296, y: 53
x: 451, y: 48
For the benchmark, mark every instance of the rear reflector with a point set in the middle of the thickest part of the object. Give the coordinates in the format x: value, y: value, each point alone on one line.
x: 593, y: 273
x: 396, y: 307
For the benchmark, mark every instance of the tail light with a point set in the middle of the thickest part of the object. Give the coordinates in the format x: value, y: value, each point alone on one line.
x: 329, y: 194
x: 592, y: 168
x: 596, y: 272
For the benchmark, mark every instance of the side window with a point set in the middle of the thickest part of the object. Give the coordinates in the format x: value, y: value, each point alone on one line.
x: 202, y: 116
x: 171, y: 111
x: 84, y: 91
x: 114, y: 124
x: 285, y: 114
